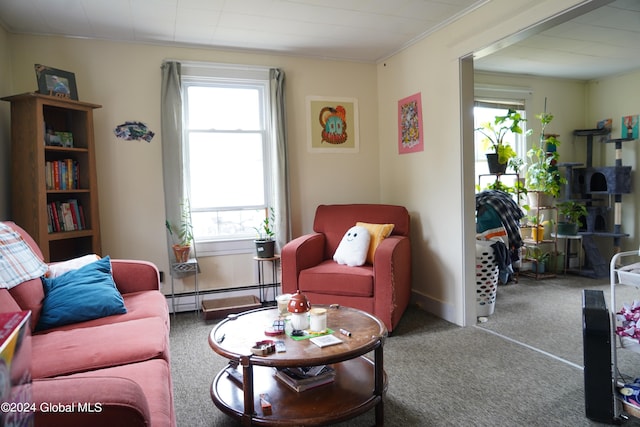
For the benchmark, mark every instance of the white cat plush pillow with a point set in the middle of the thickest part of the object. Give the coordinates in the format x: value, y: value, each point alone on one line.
x: 353, y: 247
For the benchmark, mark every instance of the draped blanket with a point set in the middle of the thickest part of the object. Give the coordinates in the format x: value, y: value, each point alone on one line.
x: 18, y: 263
x: 508, y: 211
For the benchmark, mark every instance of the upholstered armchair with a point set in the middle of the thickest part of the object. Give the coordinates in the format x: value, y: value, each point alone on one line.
x: 382, y: 288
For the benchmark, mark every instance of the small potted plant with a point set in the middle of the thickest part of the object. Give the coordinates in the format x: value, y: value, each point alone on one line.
x: 542, y: 176
x: 182, y: 234
x: 537, y: 227
x: 494, y: 134
x: 265, y: 243
x: 572, y: 212
x: 539, y: 257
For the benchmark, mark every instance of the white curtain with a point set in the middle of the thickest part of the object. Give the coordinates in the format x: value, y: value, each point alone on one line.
x: 172, y: 152
x: 280, y: 162
x: 172, y: 158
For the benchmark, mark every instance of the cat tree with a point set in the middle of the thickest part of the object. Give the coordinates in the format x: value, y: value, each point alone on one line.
x: 594, y: 186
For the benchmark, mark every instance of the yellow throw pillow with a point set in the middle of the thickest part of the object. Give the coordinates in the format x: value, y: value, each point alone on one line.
x: 378, y: 233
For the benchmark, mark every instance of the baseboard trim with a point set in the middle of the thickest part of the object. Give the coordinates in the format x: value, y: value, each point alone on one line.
x: 189, y: 301
x: 435, y: 307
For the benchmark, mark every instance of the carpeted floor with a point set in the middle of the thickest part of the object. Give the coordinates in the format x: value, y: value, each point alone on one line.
x: 546, y: 314
x: 441, y: 374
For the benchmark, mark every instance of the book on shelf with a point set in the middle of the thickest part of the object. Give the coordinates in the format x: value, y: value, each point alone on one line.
x: 305, y: 378
x: 62, y: 174
x: 65, y: 216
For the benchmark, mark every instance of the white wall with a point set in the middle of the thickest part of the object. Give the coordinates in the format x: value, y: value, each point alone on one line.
x: 615, y: 97
x: 433, y: 184
x: 125, y: 79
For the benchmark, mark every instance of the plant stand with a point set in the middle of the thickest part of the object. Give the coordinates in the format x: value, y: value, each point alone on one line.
x: 568, y: 239
x: 540, y: 241
x: 264, y: 287
x: 190, y: 266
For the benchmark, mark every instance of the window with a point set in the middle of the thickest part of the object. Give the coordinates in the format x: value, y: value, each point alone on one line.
x: 227, y: 155
x: 485, y: 110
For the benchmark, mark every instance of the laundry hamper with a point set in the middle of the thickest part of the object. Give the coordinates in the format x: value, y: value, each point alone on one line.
x: 486, y: 278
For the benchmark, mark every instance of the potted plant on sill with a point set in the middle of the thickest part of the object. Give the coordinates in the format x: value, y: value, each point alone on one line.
x: 572, y: 212
x: 542, y: 177
x: 182, y: 234
x: 494, y: 134
x: 265, y: 243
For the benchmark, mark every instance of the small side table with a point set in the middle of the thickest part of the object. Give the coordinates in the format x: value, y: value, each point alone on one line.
x: 190, y: 266
x: 263, y: 287
x: 567, y: 246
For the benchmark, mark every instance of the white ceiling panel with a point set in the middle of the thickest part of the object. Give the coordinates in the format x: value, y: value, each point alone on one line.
x: 602, y: 42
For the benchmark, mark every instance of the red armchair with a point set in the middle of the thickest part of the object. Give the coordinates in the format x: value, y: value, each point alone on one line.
x: 382, y: 289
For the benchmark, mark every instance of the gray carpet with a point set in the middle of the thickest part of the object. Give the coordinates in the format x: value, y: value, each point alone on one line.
x: 441, y: 374
x: 546, y: 314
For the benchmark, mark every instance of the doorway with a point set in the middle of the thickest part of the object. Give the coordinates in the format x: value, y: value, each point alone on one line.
x: 467, y: 73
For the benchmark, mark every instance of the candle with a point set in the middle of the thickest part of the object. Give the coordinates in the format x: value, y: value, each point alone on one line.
x: 318, y: 319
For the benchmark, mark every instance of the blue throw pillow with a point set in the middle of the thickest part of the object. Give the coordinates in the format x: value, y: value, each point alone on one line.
x: 78, y: 295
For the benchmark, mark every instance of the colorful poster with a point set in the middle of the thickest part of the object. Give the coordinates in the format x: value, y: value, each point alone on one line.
x: 410, y: 131
x: 332, y: 125
x: 629, y: 127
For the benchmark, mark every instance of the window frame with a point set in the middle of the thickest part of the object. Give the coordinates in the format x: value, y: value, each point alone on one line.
x: 233, y: 77
x: 499, y: 96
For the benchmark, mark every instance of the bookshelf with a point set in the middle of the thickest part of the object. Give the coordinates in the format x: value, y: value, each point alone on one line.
x: 53, y: 173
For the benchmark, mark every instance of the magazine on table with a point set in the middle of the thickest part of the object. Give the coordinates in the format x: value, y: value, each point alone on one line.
x: 304, y: 378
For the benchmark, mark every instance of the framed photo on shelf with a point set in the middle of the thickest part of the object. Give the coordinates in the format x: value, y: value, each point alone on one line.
x: 332, y: 125
x: 54, y: 82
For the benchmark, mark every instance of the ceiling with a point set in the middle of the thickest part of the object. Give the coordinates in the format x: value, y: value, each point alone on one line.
x: 603, y: 42
x: 599, y: 43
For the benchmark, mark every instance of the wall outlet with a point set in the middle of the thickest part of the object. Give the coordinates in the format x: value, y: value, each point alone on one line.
x: 162, y: 277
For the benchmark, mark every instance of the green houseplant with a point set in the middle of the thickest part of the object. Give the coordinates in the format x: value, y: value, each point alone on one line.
x: 537, y: 227
x: 182, y: 234
x: 494, y: 133
x: 265, y: 242
x: 571, y: 212
x: 539, y: 256
x: 542, y: 175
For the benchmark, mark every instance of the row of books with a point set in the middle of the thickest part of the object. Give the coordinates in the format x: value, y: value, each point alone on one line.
x: 62, y: 174
x: 305, y: 378
x: 65, y: 216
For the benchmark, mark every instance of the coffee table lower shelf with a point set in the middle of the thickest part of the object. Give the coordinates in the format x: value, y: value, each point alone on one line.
x: 350, y: 395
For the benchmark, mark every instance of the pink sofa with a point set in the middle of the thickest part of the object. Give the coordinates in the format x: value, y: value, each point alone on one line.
x: 382, y: 288
x: 116, y: 367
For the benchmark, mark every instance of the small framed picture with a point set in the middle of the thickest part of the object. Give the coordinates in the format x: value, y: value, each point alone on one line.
x: 332, y: 124
x: 66, y: 139
x: 54, y: 82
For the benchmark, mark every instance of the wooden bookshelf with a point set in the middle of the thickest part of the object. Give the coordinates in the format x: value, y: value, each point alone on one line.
x: 34, y: 117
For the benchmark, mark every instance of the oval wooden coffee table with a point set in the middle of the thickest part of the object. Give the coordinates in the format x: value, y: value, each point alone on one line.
x: 360, y: 382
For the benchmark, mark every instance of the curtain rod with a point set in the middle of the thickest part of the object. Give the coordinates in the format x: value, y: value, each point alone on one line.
x: 220, y: 65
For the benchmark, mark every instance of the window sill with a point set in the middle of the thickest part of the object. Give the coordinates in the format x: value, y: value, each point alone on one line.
x: 225, y: 247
